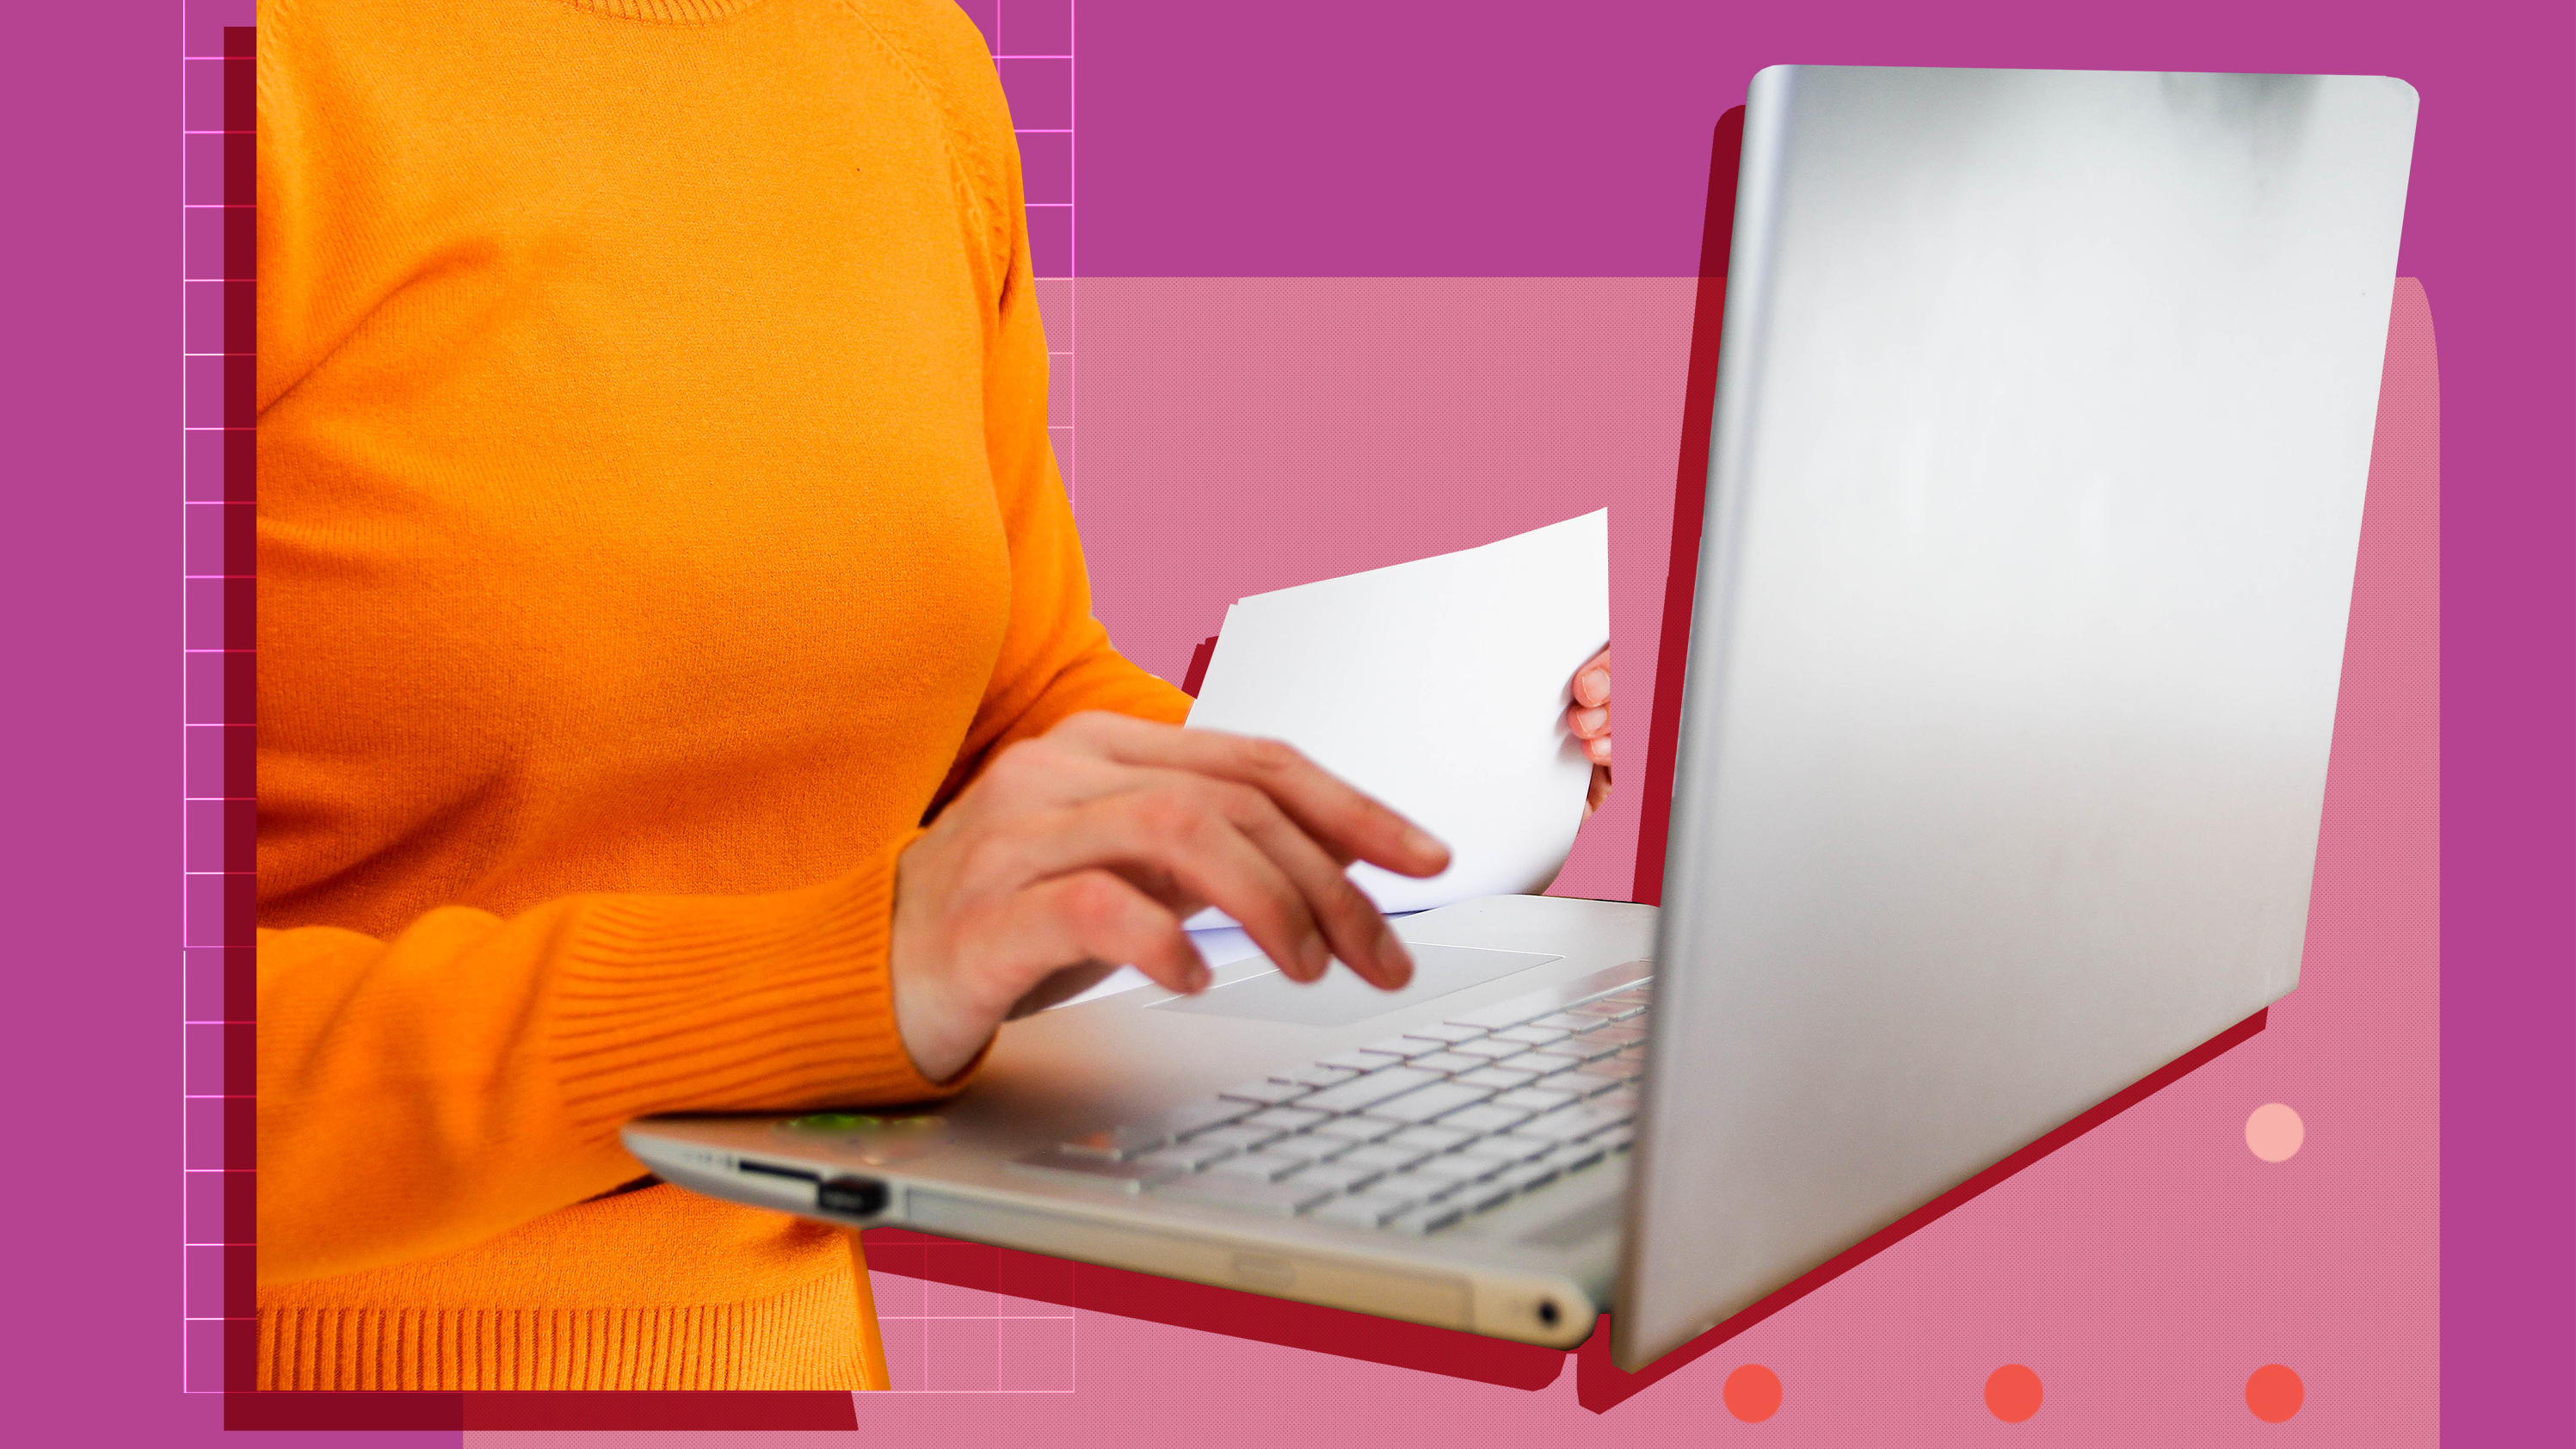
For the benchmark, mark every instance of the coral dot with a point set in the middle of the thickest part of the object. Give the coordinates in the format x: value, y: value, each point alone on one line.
x: 1752, y: 1393
x: 2274, y: 1132
x: 2274, y: 1393
x: 2012, y: 1392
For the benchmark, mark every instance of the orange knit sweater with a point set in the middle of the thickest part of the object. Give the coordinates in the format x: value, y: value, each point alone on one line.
x: 656, y: 519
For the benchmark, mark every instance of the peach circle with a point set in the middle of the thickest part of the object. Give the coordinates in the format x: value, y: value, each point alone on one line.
x: 2012, y: 1393
x: 1752, y: 1393
x: 2274, y: 1132
x: 2274, y: 1393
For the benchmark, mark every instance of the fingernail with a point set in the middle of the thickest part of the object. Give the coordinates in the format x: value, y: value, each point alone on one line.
x: 1596, y: 681
x: 1317, y: 956
x: 1418, y: 843
x: 1199, y: 977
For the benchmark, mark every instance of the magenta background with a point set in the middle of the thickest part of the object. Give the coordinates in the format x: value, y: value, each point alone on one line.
x: 1423, y: 140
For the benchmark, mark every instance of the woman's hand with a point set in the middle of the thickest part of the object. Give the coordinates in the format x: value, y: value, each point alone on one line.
x: 1086, y: 849
x: 1589, y: 718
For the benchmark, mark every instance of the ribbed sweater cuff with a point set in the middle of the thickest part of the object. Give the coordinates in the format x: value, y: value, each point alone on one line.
x: 763, y: 1003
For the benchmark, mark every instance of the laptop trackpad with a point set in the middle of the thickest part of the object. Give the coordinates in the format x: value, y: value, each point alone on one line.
x: 1342, y: 997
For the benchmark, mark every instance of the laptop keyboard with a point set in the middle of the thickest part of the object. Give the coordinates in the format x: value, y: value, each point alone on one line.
x: 1411, y: 1134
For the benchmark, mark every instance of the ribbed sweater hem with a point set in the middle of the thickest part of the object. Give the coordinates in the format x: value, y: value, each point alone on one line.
x: 804, y: 1338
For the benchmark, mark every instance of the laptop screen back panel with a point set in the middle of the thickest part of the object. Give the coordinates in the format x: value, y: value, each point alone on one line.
x: 2044, y: 414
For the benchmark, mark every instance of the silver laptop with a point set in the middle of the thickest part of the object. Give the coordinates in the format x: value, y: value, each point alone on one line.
x: 2044, y: 410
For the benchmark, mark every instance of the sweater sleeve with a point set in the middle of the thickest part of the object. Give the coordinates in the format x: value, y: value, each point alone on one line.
x: 1056, y: 658
x: 393, y: 1126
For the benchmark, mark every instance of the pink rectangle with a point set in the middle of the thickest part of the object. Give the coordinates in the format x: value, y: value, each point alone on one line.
x: 215, y: 1206
x: 205, y: 84
x: 218, y: 830
x: 1040, y: 92
x: 1060, y: 390
x: 218, y: 243
x: 218, y: 688
x: 216, y: 984
x: 215, y: 169
x: 220, y: 910
x: 219, y: 1282
x: 216, y: 312
x: 1036, y: 1355
x: 1055, y: 308
x: 219, y: 391
x: 1035, y: 27
x: 212, y: 1124
x: 217, y: 543
x: 1051, y: 241
x: 203, y: 1344
x: 1046, y: 166
x: 218, y: 762
x: 962, y: 1354
x: 218, y: 1062
x: 219, y: 465
x: 204, y: 26
x: 218, y: 614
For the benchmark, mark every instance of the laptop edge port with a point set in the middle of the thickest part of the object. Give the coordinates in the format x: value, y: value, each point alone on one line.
x: 851, y: 1197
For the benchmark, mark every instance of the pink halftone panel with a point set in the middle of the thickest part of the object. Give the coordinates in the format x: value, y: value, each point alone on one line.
x: 1248, y: 433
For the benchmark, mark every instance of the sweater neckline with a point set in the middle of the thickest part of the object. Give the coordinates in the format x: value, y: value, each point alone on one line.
x: 667, y: 12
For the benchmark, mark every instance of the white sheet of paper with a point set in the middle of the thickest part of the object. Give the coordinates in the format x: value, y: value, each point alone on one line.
x: 1438, y: 686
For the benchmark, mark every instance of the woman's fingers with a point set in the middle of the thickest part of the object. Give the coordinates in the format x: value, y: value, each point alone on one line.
x: 1592, y: 681
x: 1220, y: 844
x: 1346, y: 823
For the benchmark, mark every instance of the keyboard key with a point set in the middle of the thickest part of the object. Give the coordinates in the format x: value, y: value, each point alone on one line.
x: 1429, y: 1186
x: 1429, y: 1218
x: 1538, y: 1099
x: 1490, y: 1049
x: 1598, y: 1012
x: 1486, y: 1196
x: 1531, y: 1035
x: 1267, y: 1094
x: 1353, y: 1129
x: 1364, y: 1209
x: 1585, y: 1081
x: 1447, y: 1033
x: 1100, y: 1171
x: 1581, y: 1048
x: 1531, y: 1175
x: 1190, y: 1156
x: 1449, y: 1062
x: 1338, y: 1175
x: 1615, y: 1139
x: 1353, y: 1061
x: 1366, y: 1091
x: 1317, y: 1075
x: 1383, y: 1157
x: 1269, y: 1164
x: 1618, y: 1068
x: 1572, y: 1123
x: 1431, y: 1139
x: 1401, y: 1047
x: 1485, y: 1117
x: 1501, y: 1079
x: 1424, y: 1103
x: 1244, y: 1194
x: 1237, y: 1138
x: 1580, y: 1155
x: 1285, y: 1119
x: 1509, y: 1147
x: 1617, y: 1034
x: 1193, y: 1117
x: 1566, y: 1020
